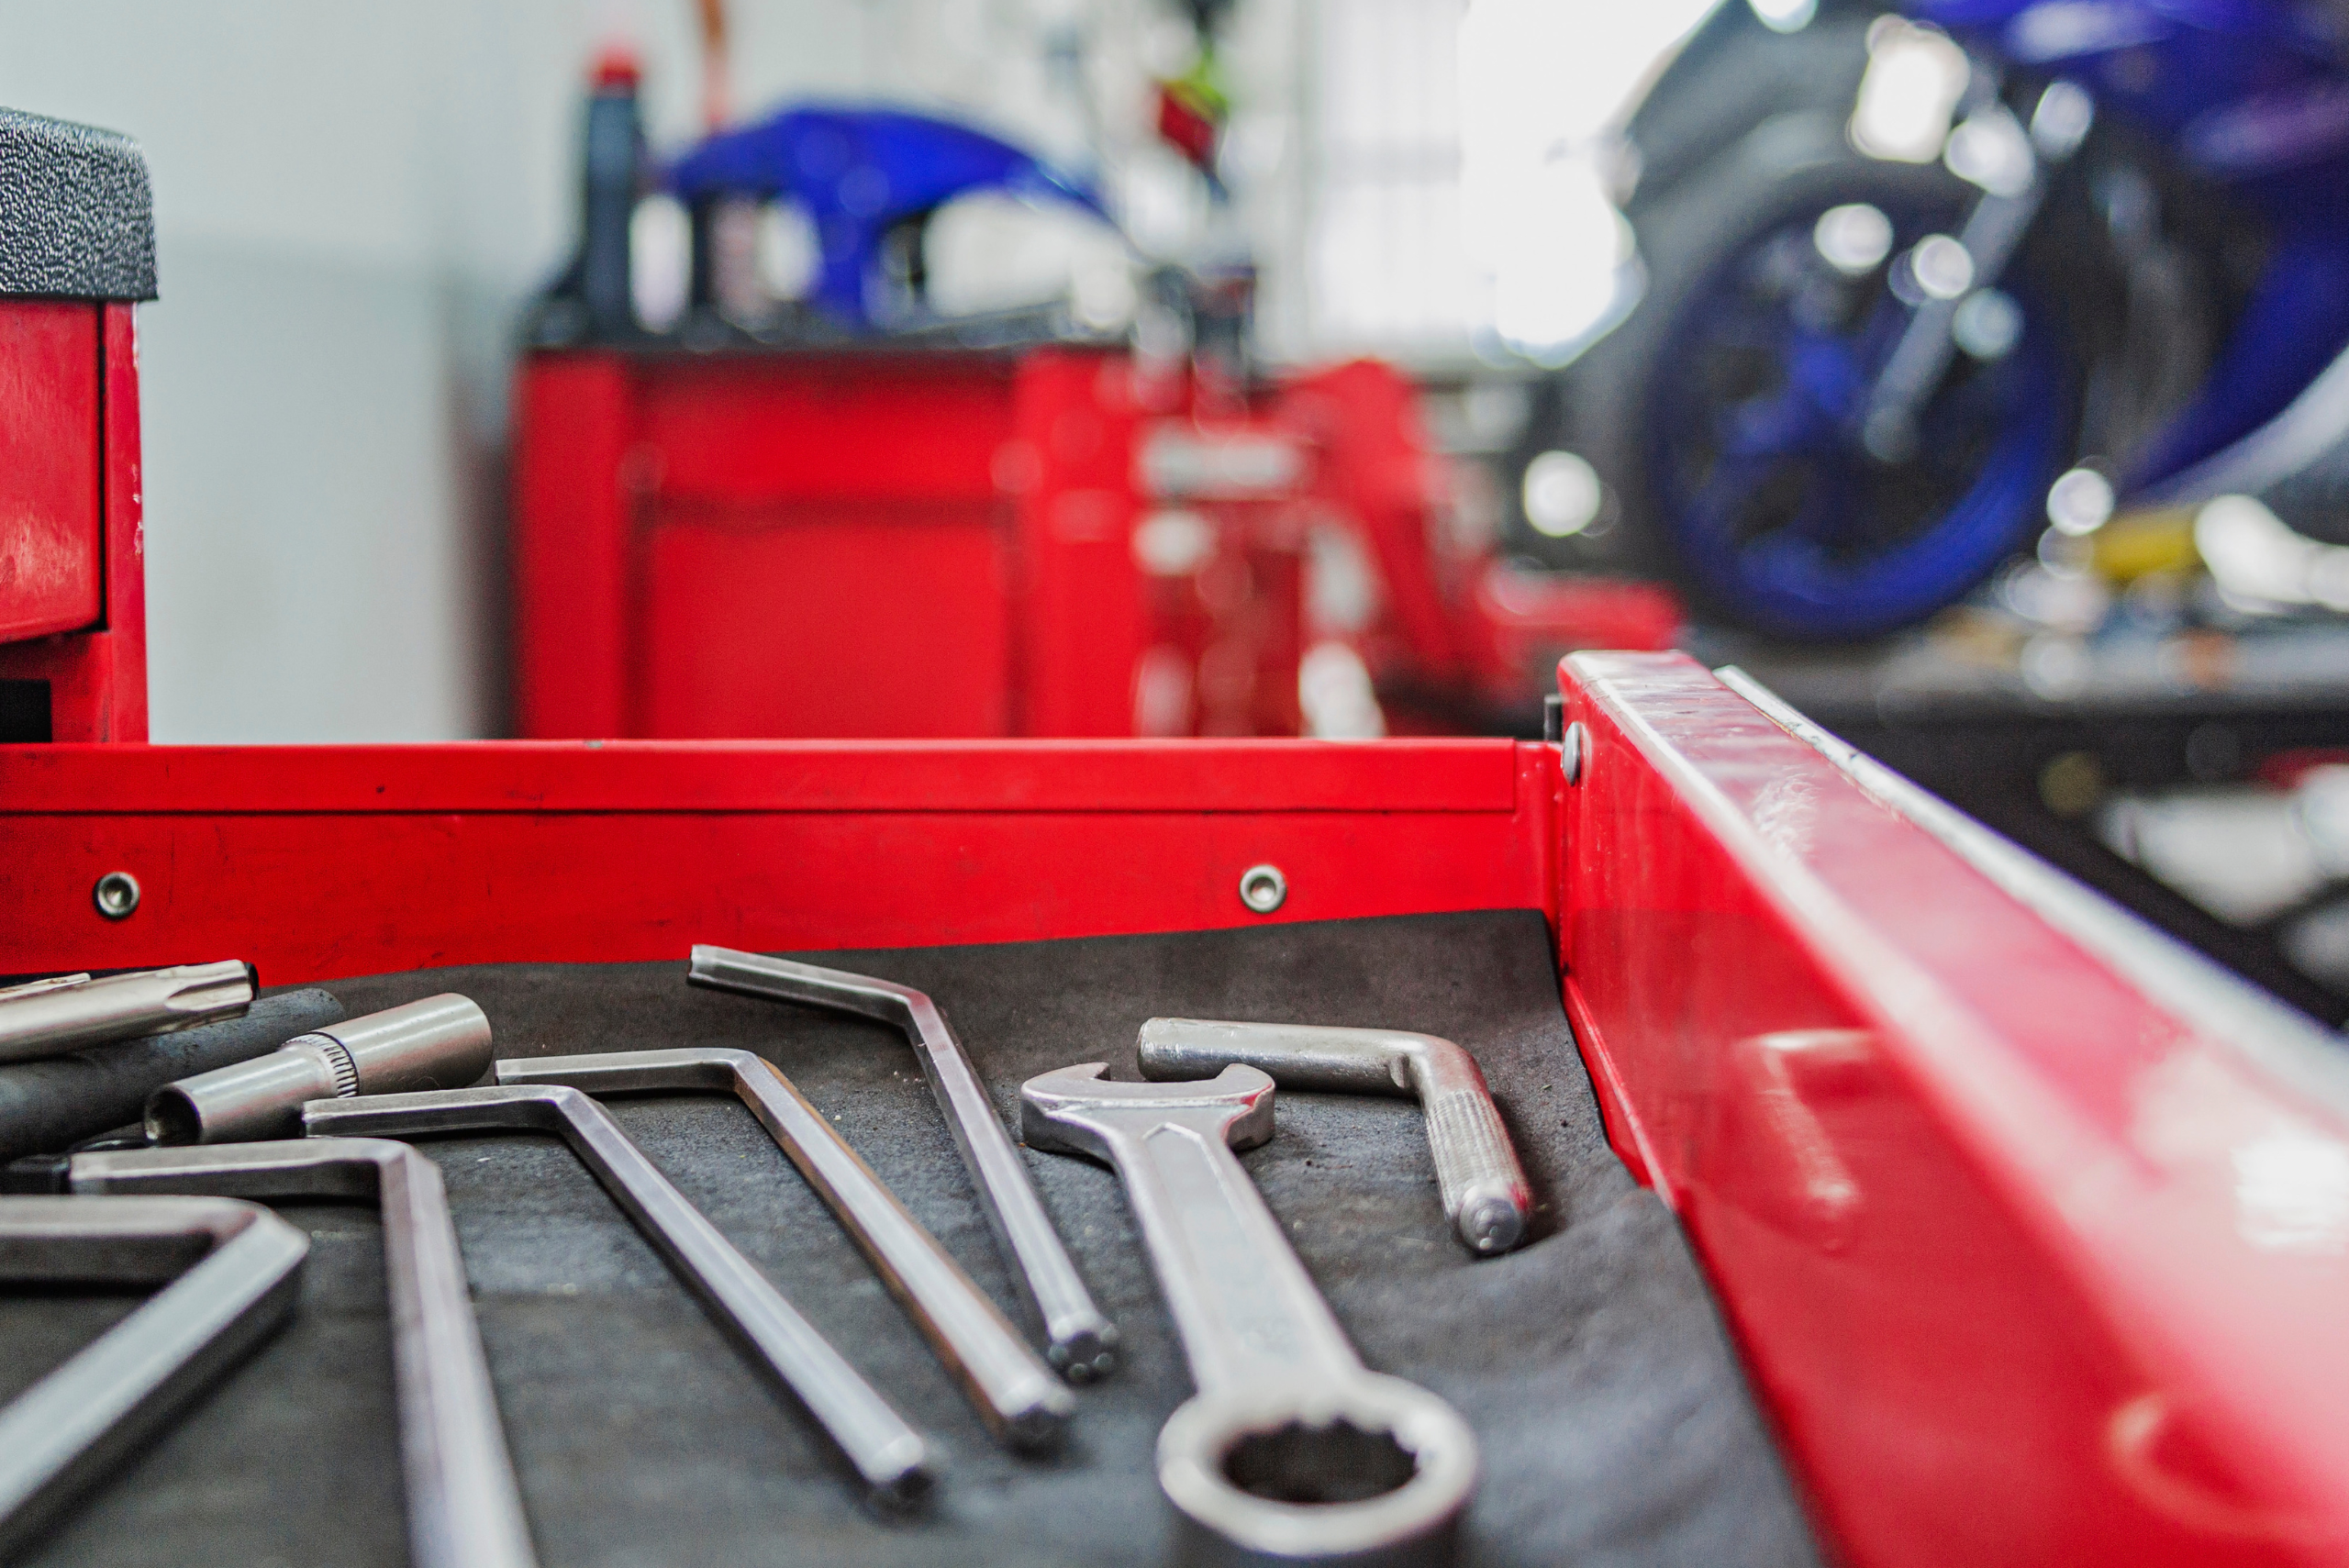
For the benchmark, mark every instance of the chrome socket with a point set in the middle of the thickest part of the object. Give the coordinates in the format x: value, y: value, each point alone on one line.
x: 440, y: 1042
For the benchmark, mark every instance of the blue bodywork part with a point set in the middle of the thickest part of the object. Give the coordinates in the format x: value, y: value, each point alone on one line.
x: 2253, y: 95
x: 860, y: 172
x: 2293, y: 326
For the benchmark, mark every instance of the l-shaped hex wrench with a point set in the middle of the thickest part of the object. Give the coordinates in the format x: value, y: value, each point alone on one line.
x: 890, y: 1455
x: 233, y: 1271
x: 463, y: 1507
x: 1078, y: 1338
x: 1486, y: 1195
x: 1016, y: 1393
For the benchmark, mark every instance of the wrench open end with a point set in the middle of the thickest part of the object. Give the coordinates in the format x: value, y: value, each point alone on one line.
x: 1486, y: 1195
x: 1052, y: 1106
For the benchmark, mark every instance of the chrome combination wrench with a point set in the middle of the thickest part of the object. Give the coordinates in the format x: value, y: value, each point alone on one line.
x: 1292, y: 1450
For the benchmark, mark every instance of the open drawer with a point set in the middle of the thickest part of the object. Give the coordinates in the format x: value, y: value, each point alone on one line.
x: 2032, y: 1228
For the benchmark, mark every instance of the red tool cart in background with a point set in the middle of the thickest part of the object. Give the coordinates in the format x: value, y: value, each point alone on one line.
x: 955, y: 543
x: 2031, y: 1228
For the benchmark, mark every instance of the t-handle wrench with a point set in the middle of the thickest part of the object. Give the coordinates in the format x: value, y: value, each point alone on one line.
x: 1292, y: 1450
x: 1486, y: 1195
x: 1079, y: 1340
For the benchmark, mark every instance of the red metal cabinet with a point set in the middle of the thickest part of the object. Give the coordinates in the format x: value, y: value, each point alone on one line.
x: 51, y: 579
x: 72, y: 557
x: 765, y: 545
x: 1060, y: 542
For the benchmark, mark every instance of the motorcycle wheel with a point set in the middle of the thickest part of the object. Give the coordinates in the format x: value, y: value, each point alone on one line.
x: 1724, y: 414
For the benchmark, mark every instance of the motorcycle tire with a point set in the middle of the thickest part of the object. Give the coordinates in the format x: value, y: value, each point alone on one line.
x: 1820, y: 542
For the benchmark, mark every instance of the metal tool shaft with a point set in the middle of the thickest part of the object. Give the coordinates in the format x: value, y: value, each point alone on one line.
x: 43, y: 1018
x: 1015, y: 1391
x: 1486, y: 1195
x: 1292, y: 1450
x: 1080, y: 1342
x: 887, y: 1452
x: 234, y: 1269
x: 464, y: 1509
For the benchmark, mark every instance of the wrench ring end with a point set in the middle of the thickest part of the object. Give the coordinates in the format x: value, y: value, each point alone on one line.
x: 1414, y: 1522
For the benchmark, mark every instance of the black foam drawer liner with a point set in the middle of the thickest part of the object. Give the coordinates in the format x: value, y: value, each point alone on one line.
x: 1615, y: 1423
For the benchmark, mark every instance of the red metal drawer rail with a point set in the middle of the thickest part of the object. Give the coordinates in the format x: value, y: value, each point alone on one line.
x: 2029, y: 1267
x: 317, y: 862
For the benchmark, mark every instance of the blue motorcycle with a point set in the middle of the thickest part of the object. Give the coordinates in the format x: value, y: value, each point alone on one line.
x: 2109, y: 264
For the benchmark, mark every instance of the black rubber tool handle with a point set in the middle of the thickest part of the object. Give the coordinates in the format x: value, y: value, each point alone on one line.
x: 47, y: 1105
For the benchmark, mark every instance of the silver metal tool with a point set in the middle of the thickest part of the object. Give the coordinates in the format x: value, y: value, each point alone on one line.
x: 1486, y: 1195
x: 463, y: 1507
x: 43, y: 1018
x: 440, y: 1042
x: 1292, y: 1450
x: 233, y: 1271
x: 1015, y: 1391
x: 1079, y: 1340
x: 890, y: 1455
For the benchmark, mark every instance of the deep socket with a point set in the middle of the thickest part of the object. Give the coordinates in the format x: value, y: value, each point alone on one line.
x: 442, y: 1042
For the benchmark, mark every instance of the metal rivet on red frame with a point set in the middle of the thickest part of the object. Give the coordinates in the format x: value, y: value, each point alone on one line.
x: 1262, y: 888
x: 1572, y: 750
x: 115, y: 894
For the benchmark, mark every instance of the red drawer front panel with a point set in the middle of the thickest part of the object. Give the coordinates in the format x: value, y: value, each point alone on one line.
x: 50, y: 577
x: 856, y: 429
x: 846, y: 622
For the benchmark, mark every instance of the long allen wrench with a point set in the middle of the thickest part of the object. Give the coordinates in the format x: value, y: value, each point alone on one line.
x: 463, y: 1507
x: 1015, y: 1391
x: 1079, y: 1340
x: 1486, y: 1195
x: 890, y: 1455
x: 233, y: 1271
x: 1292, y: 1450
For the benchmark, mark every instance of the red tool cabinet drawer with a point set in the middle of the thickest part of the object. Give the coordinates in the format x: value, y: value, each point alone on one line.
x: 51, y: 579
x: 2030, y: 1229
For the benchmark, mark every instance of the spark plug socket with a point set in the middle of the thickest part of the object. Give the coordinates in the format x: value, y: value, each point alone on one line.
x: 440, y: 1042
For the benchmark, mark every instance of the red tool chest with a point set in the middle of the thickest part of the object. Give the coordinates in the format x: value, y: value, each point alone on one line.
x: 2031, y: 1229
x: 77, y: 247
x: 2032, y: 1255
x: 901, y: 542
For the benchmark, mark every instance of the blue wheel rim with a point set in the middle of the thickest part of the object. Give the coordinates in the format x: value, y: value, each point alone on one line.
x: 1764, y: 490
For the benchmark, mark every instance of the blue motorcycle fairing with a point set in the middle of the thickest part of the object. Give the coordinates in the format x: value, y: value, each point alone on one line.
x: 857, y: 172
x: 2255, y: 96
